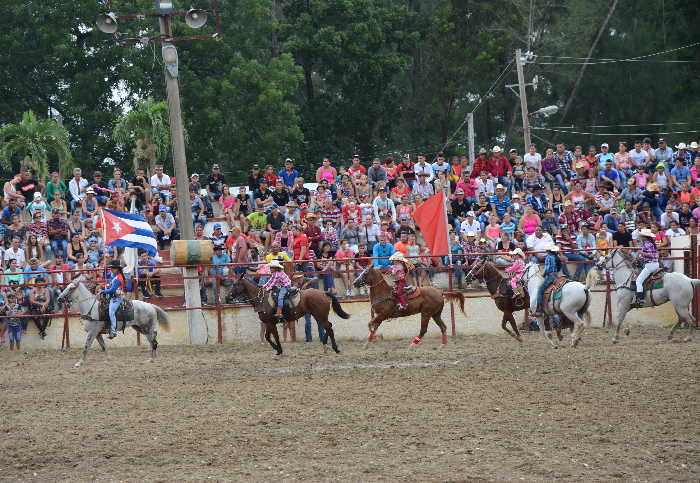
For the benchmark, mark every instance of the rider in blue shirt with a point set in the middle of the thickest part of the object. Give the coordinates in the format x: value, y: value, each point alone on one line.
x: 552, y: 267
x: 116, y: 295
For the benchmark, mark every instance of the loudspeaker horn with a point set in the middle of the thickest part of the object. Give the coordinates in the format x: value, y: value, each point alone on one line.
x: 107, y: 22
x: 196, y: 18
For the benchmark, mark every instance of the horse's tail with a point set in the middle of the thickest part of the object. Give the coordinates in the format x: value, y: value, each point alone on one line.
x: 592, y: 277
x: 163, y: 320
x: 582, y: 311
x: 337, y: 308
x: 455, y: 296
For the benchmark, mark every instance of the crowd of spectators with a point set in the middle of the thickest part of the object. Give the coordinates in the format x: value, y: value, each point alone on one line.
x: 330, y: 222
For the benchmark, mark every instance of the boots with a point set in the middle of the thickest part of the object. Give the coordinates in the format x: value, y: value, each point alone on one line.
x: 639, y: 299
x: 144, y: 291
x: 156, y: 287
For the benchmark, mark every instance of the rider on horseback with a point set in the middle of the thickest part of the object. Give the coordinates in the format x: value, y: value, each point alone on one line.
x: 399, y: 268
x: 650, y: 256
x: 280, y: 280
x: 516, y: 271
x: 552, y: 267
x: 115, y: 292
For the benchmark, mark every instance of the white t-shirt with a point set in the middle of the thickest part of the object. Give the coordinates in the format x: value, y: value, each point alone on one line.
x: 538, y: 244
x: 474, y: 226
x: 533, y: 161
x: 11, y: 254
x: 639, y: 158
x: 156, y: 181
x: 671, y: 234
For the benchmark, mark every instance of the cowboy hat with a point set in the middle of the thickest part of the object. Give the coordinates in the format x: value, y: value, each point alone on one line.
x: 482, y: 151
x: 517, y: 251
x: 646, y: 232
x: 496, y: 149
x: 397, y: 256
x: 681, y: 146
x: 551, y: 247
x: 652, y: 187
x: 114, y: 264
x: 275, y: 264
x: 694, y: 145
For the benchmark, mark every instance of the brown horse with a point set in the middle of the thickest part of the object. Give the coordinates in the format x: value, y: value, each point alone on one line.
x: 311, y: 301
x: 500, y: 290
x: 429, y: 304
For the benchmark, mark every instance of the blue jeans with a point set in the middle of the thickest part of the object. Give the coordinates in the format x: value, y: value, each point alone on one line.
x: 307, y: 323
x: 547, y: 282
x: 580, y: 267
x: 328, y: 282
x: 114, y: 304
x: 559, y: 178
x: 280, y: 296
x: 62, y: 244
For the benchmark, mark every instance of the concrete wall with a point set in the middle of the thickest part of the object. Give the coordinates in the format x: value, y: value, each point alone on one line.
x: 241, y: 324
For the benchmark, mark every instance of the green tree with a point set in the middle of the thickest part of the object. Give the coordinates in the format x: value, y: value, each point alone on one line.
x: 34, y: 140
x: 147, y: 128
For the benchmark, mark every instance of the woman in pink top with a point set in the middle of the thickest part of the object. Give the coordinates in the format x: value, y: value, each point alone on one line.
x: 229, y: 204
x: 493, y: 231
x: 529, y: 221
x: 326, y: 171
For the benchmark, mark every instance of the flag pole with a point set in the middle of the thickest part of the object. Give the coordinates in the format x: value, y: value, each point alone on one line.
x: 447, y: 225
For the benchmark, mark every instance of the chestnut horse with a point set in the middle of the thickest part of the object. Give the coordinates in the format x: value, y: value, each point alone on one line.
x: 486, y: 271
x: 312, y: 301
x: 428, y: 304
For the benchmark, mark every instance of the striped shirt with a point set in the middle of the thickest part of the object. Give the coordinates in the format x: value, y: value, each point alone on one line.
x: 649, y: 252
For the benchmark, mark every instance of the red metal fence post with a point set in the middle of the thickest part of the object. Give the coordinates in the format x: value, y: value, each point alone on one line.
x: 452, y: 305
x: 217, y: 298
x: 65, y: 337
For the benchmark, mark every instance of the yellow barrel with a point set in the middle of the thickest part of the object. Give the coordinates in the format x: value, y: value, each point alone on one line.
x: 191, y: 252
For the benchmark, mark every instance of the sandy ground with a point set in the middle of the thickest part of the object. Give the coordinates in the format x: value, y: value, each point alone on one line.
x: 481, y: 408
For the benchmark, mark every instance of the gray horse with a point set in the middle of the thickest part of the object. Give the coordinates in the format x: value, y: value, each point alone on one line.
x: 677, y: 288
x: 145, y: 317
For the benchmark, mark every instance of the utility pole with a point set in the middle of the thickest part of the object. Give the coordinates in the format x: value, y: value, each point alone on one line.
x: 523, y: 99
x: 195, y: 18
x: 470, y: 137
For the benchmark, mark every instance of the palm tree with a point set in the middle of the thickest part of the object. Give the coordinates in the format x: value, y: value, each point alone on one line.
x: 33, y: 139
x: 147, y: 128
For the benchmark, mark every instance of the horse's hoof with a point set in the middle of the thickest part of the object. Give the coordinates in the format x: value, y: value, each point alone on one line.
x: 337, y: 351
x: 325, y: 349
x: 77, y: 365
x: 614, y: 341
x: 687, y: 339
x: 627, y: 331
x: 518, y: 338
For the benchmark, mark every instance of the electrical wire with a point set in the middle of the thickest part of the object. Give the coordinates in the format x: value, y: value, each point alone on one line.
x: 612, y: 61
x: 564, y: 131
x: 624, y: 125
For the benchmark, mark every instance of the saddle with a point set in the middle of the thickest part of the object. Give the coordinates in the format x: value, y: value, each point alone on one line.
x: 125, y: 312
x: 653, y: 281
x: 554, y: 290
x: 409, y: 291
x: 291, y: 300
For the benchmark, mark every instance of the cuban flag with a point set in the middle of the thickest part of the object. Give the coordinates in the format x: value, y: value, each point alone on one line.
x: 128, y: 230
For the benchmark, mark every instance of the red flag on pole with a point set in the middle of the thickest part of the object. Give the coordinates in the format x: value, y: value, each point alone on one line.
x: 430, y: 217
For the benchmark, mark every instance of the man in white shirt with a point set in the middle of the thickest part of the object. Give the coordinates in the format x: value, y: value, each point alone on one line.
x: 638, y: 155
x: 423, y: 189
x: 485, y: 184
x: 77, y: 187
x: 440, y: 165
x: 667, y: 217
x: 675, y: 230
x: 160, y: 183
x: 470, y: 224
x: 422, y: 167
x: 537, y: 243
x: 533, y: 159
x: 368, y: 232
x: 14, y: 253
x: 383, y: 206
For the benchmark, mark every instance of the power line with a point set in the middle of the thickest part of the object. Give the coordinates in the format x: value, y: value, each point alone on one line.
x: 564, y: 131
x: 639, y: 58
x: 621, y: 61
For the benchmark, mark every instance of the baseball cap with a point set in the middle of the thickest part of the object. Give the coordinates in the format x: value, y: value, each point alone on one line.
x: 217, y: 226
x: 193, y: 175
x: 216, y: 166
x: 662, y: 140
x: 604, y: 145
x: 470, y: 213
x: 163, y: 208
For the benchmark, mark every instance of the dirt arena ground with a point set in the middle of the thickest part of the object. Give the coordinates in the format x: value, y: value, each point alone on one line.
x: 483, y: 408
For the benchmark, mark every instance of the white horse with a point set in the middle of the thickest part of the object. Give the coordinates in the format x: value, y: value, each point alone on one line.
x: 145, y: 317
x: 573, y: 303
x: 677, y: 288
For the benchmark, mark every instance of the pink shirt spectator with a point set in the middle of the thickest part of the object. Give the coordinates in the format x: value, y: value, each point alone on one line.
x: 641, y: 179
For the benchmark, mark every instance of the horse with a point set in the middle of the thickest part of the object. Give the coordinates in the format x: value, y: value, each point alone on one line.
x: 311, y: 301
x: 145, y: 317
x: 677, y: 288
x: 573, y: 304
x: 505, y: 303
x: 429, y: 304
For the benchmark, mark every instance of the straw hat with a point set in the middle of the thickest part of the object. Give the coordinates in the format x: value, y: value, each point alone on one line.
x: 397, y: 256
x: 694, y: 145
x: 652, y: 187
x: 681, y: 146
x: 275, y: 264
x: 646, y: 232
x: 496, y: 149
x: 517, y: 251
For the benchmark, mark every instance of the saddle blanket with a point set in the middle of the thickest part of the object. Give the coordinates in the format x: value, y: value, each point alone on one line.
x: 554, y: 290
x: 653, y: 281
x: 125, y: 312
